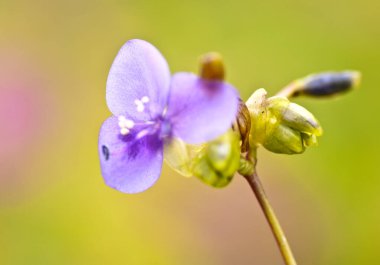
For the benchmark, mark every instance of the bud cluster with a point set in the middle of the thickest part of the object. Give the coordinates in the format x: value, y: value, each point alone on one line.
x: 275, y: 123
x: 280, y: 125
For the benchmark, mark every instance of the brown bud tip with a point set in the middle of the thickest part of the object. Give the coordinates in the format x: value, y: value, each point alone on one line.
x: 212, y: 66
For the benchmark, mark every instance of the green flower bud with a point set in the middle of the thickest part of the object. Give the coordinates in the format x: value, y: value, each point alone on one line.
x: 284, y: 140
x: 218, y: 160
x: 280, y: 125
x: 214, y: 163
x: 294, y: 115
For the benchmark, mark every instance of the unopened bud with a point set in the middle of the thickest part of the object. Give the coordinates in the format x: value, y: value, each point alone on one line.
x: 221, y: 151
x: 218, y: 161
x: 326, y: 84
x: 281, y: 126
x: 215, y: 163
x: 294, y: 115
x: 212, y: 66
x: 284, y: 140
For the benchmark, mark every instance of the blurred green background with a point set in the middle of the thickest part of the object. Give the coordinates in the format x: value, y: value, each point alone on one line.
x: 55, y: 208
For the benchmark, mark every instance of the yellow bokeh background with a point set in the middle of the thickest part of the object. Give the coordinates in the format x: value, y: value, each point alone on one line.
x: 55, y: 208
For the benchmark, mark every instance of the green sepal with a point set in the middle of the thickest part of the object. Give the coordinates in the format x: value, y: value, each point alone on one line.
x: 179, y: 155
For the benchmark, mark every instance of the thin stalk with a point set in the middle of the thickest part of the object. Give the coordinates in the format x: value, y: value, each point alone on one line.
x: 289, y: 90
x: 275, y: 226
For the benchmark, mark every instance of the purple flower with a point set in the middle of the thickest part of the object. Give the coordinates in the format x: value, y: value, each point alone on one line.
x: 150, y: 107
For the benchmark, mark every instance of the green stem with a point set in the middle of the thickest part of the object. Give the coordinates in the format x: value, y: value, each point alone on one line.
x: 258, y: 190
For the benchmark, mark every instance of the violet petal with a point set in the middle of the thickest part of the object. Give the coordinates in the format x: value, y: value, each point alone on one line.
x: 139, y: 70
x: 200, y: 110
x: 127, y: 165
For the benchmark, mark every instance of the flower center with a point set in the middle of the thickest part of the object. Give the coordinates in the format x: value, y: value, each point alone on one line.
x: 126, y: 124
x: 164, y: 128
x: 158, y: 126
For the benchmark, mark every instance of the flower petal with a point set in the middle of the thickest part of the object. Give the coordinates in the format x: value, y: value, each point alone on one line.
x: 200, y: 110
x: 128, y: 166
x: 139, y: 70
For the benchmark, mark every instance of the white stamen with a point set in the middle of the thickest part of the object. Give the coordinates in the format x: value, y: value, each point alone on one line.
x: 124, y: 131
x: 140, y: 108
x: 144, y: 99
x: 125, y: 125
x: 140, y: 104
x: 121, y: 118
x: 129, y: 124
x: 121, y: 121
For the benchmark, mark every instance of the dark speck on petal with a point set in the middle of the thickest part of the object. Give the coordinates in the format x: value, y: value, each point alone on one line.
x: 106, y: 152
